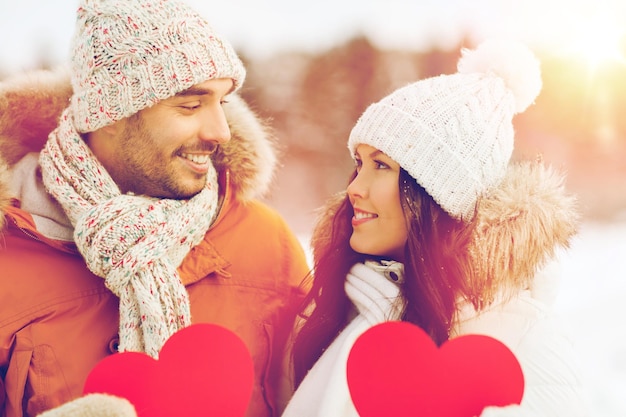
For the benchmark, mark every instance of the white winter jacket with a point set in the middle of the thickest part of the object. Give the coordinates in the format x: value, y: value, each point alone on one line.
x: 520, y: 227
x: 534, y: 333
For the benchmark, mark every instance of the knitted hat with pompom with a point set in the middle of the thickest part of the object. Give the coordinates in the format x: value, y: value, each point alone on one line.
x: 454, y: 133
x: 128, y: 55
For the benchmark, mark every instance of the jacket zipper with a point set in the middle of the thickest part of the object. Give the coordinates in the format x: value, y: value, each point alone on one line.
x: 26, y: 231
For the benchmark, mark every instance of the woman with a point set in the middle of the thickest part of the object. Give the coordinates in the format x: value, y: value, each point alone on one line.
x: 438, y: 229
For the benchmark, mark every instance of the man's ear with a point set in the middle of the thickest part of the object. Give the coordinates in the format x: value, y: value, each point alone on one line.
x: 100, y: 140
x: 113, y: 129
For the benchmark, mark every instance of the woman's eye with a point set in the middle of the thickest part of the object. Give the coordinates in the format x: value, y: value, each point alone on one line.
x: 381, y: 165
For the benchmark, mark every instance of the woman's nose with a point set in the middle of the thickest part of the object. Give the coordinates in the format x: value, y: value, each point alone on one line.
x: 358, y: 186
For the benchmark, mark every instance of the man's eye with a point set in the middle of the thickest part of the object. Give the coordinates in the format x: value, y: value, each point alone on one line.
x: 192, y: 105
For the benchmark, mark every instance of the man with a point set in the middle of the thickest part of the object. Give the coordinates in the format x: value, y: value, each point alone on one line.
x: 136, y: 215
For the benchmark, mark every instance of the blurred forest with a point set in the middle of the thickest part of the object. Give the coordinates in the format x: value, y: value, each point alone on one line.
x: 313, y: 100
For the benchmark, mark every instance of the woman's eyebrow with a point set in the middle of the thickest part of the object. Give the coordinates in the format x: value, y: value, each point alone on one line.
x: 375, y: 153
x: 372, y: 154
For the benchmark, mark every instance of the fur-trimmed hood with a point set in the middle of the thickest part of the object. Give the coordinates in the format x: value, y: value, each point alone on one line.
x: 31, y: 103
x: 519, y: 227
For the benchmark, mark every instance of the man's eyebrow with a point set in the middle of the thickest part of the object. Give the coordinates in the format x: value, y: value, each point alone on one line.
x: 194, y: 91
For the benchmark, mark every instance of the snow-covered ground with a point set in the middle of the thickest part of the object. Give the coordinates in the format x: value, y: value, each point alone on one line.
x: 593, y: 303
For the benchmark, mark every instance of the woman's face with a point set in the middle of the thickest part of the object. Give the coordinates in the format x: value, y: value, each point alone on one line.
x: 378, y: 225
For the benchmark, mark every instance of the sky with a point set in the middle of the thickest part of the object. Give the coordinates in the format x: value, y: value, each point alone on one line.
x: 260, y: 28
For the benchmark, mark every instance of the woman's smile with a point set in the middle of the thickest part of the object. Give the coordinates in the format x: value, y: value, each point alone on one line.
x: 361, y: 217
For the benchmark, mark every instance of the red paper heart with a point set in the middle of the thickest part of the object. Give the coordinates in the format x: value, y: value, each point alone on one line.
x: 396, y: 369
x: 203, y: 370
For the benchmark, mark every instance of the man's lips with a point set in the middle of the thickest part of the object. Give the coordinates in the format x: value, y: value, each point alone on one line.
x: 198, y: 162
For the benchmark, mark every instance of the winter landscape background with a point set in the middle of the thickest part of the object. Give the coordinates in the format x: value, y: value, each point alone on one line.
x: 593, y: 288
x: 314, y: 66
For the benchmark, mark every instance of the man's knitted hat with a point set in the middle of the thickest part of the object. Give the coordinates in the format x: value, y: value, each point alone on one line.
x: 454, y: 133
x: 129, y: 54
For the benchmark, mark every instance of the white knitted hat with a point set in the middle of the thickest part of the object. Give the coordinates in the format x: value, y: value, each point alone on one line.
x: 454, y: 133
x: 129, y: 54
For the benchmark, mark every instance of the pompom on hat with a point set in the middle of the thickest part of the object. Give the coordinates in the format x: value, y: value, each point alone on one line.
x: 454, y: 133
x: 129, y: 54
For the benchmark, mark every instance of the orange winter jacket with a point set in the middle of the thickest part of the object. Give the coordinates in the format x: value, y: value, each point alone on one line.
x: 57, y: 320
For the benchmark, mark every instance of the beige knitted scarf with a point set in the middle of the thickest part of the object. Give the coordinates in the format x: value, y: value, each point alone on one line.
x: 135, y: 243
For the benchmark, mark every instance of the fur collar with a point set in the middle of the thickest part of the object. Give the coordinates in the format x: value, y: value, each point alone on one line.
x: 520, y: 226
x: 31, y: 103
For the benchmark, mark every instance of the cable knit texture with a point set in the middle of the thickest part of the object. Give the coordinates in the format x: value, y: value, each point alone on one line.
x: 128, y: 55
x: 454, y: 133
x: 135, y: 243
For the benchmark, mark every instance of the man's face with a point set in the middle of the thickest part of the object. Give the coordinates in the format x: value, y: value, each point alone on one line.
x: 165, y: 151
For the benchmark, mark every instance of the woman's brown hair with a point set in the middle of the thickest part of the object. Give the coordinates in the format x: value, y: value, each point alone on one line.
x: 437, y: 267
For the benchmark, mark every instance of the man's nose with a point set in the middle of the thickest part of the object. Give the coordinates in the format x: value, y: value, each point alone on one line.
x: 214, y: 127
